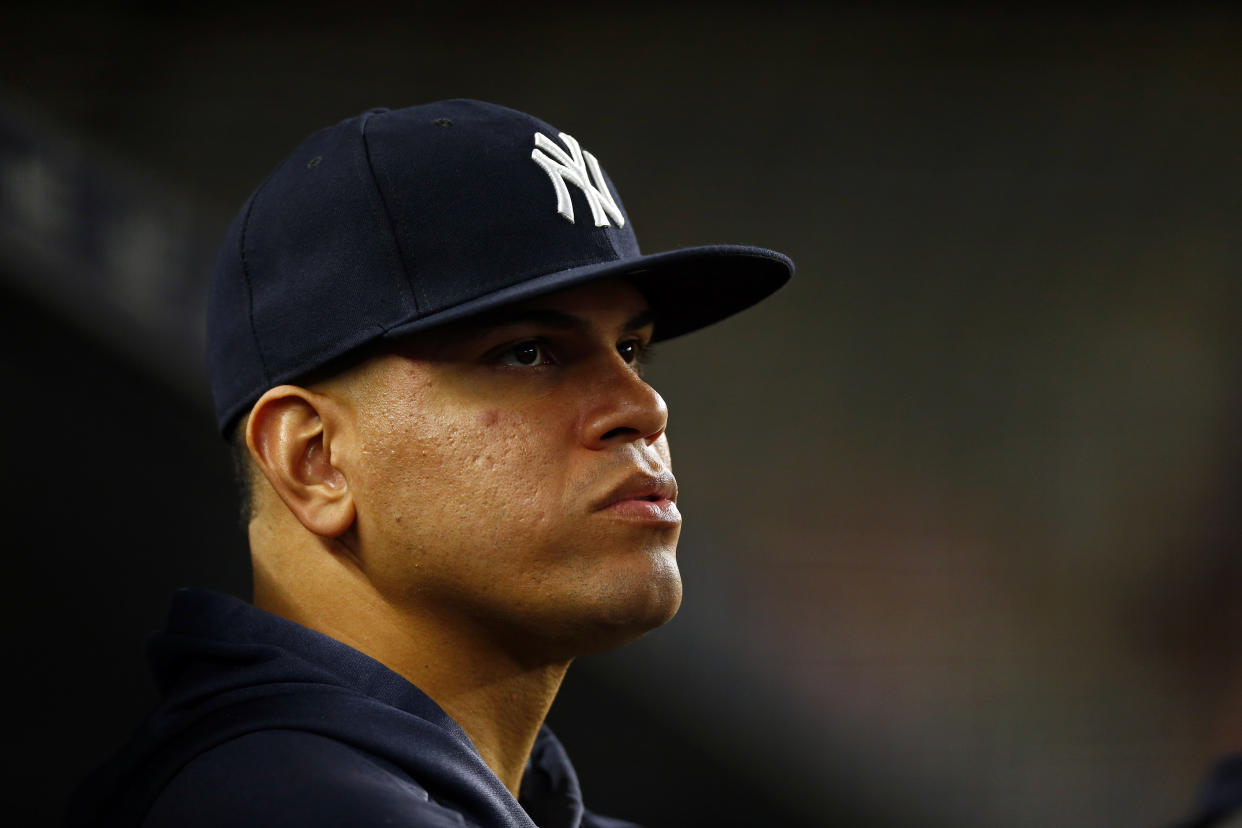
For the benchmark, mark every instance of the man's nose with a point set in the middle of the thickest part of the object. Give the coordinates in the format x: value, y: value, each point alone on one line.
x: 621, y: 407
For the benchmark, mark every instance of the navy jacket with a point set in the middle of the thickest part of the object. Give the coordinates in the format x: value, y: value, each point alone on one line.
x: 267, y: 723
x: 1221, y: 797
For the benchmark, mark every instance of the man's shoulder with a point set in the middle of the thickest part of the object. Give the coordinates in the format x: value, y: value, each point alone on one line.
x: 288, y: 777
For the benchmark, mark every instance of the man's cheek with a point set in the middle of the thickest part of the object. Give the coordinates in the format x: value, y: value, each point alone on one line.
x: 662, y: 449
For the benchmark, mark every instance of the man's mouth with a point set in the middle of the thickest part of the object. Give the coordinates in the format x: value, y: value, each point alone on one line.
x: 645, y: 497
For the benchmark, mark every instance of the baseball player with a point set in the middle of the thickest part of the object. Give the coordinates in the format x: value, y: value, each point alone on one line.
x: 426, y: 336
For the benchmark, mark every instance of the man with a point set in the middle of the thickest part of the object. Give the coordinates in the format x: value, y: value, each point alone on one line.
x: 425, y: 338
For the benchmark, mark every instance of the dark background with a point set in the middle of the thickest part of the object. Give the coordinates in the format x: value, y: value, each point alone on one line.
x: 962, y: 539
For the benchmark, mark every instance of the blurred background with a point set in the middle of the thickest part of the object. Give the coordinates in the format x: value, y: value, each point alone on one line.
x: 962, y: 543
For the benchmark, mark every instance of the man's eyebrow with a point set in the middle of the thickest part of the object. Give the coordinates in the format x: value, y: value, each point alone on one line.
x: 548, y: 318
x: 639, y: 320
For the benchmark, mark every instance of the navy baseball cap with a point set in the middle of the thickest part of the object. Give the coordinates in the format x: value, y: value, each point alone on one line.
x: 396, y: 221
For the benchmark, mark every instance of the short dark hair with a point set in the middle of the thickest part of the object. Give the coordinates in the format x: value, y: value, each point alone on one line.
x: 243, y: 474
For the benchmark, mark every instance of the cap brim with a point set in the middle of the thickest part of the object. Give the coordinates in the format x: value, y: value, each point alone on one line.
x: 687, y: 289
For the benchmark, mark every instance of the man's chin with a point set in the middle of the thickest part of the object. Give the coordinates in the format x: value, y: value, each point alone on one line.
x: 629, y: 615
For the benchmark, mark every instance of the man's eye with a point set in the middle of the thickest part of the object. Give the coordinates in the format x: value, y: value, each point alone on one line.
x: 525, y: 354
x: 633, y: 351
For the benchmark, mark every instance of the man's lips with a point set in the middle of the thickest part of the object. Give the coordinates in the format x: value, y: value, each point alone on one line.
x: 644, y: 496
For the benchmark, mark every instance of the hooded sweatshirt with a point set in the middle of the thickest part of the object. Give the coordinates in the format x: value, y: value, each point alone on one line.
x: 1220, y: 800
x: 264, y: 722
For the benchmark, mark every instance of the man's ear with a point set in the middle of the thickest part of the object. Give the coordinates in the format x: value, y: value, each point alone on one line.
x: 287, y: 438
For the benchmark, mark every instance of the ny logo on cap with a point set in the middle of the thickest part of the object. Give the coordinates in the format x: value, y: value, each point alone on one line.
x: 578, y: 168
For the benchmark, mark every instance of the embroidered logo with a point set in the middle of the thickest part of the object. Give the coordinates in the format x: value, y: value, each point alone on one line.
x: 580, y: 169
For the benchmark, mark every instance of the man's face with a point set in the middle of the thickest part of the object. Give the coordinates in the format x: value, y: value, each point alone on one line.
x: 512, y: 475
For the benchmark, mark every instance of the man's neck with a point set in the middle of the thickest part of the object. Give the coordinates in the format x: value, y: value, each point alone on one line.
x: 502, y: 718
x: 500, y: 702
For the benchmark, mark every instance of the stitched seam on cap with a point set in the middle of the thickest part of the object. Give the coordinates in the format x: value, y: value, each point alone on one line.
x: 386, y: 219
x: 241, y: 252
